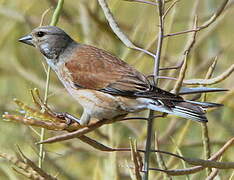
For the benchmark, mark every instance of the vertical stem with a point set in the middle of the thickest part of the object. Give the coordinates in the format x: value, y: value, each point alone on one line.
x: 148, y: 144
x: 156, y: 73
x: 54, y: 21
x: 213, y: 46
x: 206, y: 143
x: 41, y: 151
x: 160, y: 40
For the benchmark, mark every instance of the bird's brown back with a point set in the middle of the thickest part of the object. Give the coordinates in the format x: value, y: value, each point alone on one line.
x: 93, y: 68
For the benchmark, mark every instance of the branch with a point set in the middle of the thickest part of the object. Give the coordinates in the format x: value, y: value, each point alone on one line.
x: 169, y: 8
x: 213, y: 174
x: 205, y: 131
x: 142, y: 1
x: 210, y: 21
x: 156, y: 73
x: 202, y: 163
x: 116, y: 29
x: 78, y: 133
x: 211, y: 81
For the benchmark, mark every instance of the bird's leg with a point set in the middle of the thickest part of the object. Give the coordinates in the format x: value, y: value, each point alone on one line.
x: 83, y: 121
x: 85, y: 118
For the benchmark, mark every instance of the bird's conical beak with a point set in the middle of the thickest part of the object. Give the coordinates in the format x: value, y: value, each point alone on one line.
x: 27, y: 40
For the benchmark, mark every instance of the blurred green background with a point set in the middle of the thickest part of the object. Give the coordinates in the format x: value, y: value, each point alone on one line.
x: 21, y: 69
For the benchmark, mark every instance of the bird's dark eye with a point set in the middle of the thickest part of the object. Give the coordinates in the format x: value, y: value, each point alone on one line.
x: 40, y: 34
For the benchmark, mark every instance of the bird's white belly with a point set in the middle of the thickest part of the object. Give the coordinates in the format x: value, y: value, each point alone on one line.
x: 97, y: 104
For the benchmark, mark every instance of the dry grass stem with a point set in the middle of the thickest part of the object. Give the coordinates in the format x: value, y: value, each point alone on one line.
x: 137, y: 160
x: 26, y: 167
x: 44, y: 15
x: 35, y: 167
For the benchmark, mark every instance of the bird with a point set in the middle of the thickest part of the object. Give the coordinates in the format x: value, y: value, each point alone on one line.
x: 103, y: 84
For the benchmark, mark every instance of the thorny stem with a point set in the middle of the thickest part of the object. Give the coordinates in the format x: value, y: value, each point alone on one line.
x: 54, y: 21
x: 156, y: 73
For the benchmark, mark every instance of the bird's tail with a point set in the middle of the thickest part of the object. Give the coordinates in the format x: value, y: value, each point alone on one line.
x: 186, y: 109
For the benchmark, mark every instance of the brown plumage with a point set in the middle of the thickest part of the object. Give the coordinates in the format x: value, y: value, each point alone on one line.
x: 103, y: 84
x: 93, y: 68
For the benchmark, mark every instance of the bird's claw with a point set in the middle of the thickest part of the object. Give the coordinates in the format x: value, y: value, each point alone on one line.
x: 67, y: 117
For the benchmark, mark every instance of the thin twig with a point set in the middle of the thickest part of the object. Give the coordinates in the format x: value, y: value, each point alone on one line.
x: 142, y: 1
x: 213, y: 174
x: 78, y: 133
x: 211, y: 81
x: 218, y: 154
x: 206, y: 143
x: 210, y: 21
x: 169, y: 8
x: 173, y: 67
x: 160, y: 159
x: 205, y: 132
x: 180, y: 153
x: 115, y: 27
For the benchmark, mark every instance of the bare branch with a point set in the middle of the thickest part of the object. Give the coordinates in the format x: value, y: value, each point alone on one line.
x: 210, y: 21
x: 157, y: 58
x: 205, y: 131
x: 211, y: 81
x: 142, y: 1
x: 202, y: 163
x: 78, y: 133
x: 178, y: 66
x: 169, y: 8
x: 213, y: 174
x: 116, y: 29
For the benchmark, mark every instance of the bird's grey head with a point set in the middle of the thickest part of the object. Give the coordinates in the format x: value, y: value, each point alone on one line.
x: 50, y: 40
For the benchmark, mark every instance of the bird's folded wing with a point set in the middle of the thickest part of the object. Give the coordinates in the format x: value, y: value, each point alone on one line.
x: 93, y: 68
